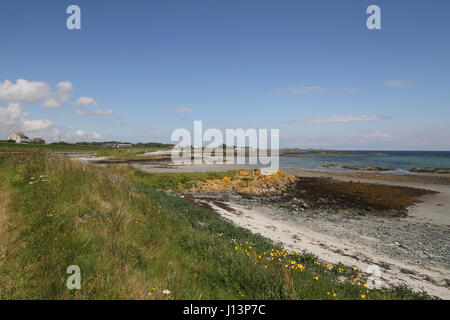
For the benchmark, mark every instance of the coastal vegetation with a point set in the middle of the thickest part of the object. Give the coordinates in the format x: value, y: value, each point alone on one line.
x: 104, y: 149
x: 133, y: 240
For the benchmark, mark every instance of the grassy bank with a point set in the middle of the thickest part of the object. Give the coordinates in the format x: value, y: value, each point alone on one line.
x: 30, y: 147
x: 172, y: 181
x: 133, y: 241
x: 101, y: 151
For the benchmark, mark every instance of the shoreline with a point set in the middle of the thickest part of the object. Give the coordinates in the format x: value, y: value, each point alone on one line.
x: 163, y: 158
x: 426, y: 178
x: 413, y: 250
x: 334, y: 241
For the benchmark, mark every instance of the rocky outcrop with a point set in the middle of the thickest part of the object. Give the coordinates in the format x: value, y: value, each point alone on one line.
x: 247, y: 182
x: 363, y: 168
x: 430, y: 170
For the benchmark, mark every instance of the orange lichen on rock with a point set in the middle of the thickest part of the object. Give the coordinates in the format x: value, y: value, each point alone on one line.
x: 247, y: 182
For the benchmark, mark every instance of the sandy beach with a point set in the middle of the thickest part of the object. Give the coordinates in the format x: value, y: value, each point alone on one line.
x: 414, y: 250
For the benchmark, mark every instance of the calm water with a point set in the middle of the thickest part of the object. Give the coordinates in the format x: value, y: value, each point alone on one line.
x: 399, y: 161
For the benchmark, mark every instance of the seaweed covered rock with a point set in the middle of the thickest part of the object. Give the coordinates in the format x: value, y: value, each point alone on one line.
x: 430, y: 170
x: 362, y: 168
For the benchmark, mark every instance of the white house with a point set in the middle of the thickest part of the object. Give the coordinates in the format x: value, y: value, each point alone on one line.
x: 18, y: 137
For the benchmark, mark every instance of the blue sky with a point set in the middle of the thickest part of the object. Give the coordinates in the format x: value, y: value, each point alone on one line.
x: 310, y: 68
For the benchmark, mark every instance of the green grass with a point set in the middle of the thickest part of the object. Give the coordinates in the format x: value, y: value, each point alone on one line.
x: 127, y: 153
x: 133, y: 241
x: 100, y: 151
x: 171, y: 181
x: 29, y: 147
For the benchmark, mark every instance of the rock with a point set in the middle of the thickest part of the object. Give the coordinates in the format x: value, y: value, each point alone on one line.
x: 430, y: 170
x: 363, y: 168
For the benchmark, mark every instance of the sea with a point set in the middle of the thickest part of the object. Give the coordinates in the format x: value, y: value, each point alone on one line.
x: 398, y: 161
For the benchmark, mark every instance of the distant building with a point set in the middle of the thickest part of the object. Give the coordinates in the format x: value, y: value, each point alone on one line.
x: 19, y: 137
x: 124, y: 145
x: 38, y: 141
x: 119, y: 145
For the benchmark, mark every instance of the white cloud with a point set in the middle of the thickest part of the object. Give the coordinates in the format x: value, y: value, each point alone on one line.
x: 12, y: 115
x: 81, y: 133
x: 31, y: 91
x: 23, y: 91
x: 378, y: 135
x: 89, y: 101
x: 341, y: 119
x: 51, y: 103
x: 36, y: 125
x: 97, y: 112
x: 352, y: 141
x: 414, y: 139
x: 85, y: 134
x: 299, y: 90
x: 13, y: 118
x: 183, y: 109
x: 56, y: 99
x: 65, y: 90
x: 85, y: 101
x: 399, y: 83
